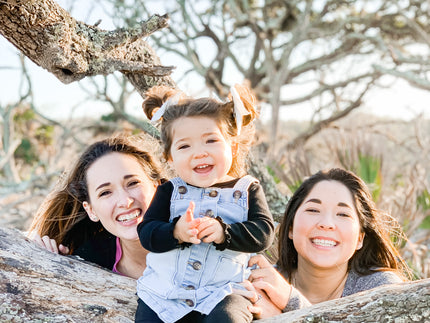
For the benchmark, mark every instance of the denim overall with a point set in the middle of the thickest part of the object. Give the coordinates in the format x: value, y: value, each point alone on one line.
x: 198, y: 277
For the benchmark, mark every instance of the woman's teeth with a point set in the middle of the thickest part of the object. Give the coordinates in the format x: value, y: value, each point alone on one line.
x: 129, y: 216
x: 324, y: 243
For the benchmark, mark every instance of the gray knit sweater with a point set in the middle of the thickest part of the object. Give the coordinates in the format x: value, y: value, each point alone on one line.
x: 354, y: 284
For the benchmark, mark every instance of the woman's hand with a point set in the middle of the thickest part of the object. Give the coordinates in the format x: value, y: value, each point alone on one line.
x: 261, y: 306
x: 50, y: 244
x: 268, y: 279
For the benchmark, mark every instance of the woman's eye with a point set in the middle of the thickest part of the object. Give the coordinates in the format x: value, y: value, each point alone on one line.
x: 343, y: 214
x: 312, y: 210
x: 211, y: 141
x: 183, y: 147
x: 133, y: 183
x: 104, y: 193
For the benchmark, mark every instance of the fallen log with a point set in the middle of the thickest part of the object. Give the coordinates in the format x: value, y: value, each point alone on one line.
x: 40, y: 286
x: 399, y: 303
x: 36, y: 284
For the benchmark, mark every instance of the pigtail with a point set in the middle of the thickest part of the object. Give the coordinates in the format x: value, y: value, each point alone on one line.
x: 249, y: 102
x: 155, y: 98
x: 242, y: 130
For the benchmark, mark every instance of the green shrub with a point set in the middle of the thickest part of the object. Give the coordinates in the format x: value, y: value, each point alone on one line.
x: 26, y: 151
x: 369, y: 169
x: 45, y: 134
x: 423, y: 202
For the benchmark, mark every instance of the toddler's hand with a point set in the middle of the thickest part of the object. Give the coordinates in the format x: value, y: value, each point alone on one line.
x: 186, y: 228
x: 210, y: 230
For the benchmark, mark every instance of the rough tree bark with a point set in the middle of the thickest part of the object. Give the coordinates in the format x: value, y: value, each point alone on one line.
x: 398, y: 303
x: 72, y: 50
x: 39, y: 286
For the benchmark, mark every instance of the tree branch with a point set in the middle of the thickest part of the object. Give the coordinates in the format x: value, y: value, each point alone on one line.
x: 72, y: 50
x: 302, y: 138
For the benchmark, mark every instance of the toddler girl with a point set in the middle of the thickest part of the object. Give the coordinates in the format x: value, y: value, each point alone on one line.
x: 203, y: 225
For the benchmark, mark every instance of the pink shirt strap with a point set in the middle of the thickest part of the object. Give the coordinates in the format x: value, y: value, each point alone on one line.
x: 118, y: 256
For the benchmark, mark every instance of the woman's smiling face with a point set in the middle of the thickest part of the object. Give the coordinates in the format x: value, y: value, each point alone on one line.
x: 120, y: 192
x: 326, y: 230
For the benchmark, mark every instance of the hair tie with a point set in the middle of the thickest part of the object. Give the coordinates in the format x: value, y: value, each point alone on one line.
x: 239, y: 108
x: 160, y: 112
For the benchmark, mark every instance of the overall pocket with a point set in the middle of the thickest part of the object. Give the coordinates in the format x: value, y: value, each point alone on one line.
x: 229, y: 266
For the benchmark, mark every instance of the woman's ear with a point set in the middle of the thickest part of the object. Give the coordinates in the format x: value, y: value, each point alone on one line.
x: 88, y: 208
x: 290, y: 233
x: 360, y: 240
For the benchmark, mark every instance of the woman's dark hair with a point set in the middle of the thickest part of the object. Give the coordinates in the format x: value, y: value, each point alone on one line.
x: 378, y: 251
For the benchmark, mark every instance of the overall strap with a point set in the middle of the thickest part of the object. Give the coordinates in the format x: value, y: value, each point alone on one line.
x: 177, y: 181
x: 245, y: 182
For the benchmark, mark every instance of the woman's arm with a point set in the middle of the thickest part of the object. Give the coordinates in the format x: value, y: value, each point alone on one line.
x: 257, y: 233
x: 99, y: 248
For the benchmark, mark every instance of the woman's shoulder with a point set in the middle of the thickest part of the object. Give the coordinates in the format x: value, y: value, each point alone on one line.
x: 99, y: 249
x: 165, y: 188
x: 358, y: 283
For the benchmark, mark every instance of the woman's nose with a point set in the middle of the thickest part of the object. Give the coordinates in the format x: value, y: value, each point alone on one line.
x: 125, y: 201
x: 326, y: 222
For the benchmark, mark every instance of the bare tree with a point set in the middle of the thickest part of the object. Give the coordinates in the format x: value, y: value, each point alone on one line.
x: 291, y: 52
x: 72, y: 50
x: 28, y: 161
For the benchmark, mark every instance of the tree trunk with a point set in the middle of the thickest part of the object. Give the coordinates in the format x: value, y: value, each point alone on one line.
x: 277, y: 202
x: 72, y: 50
x: 37, y: 285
